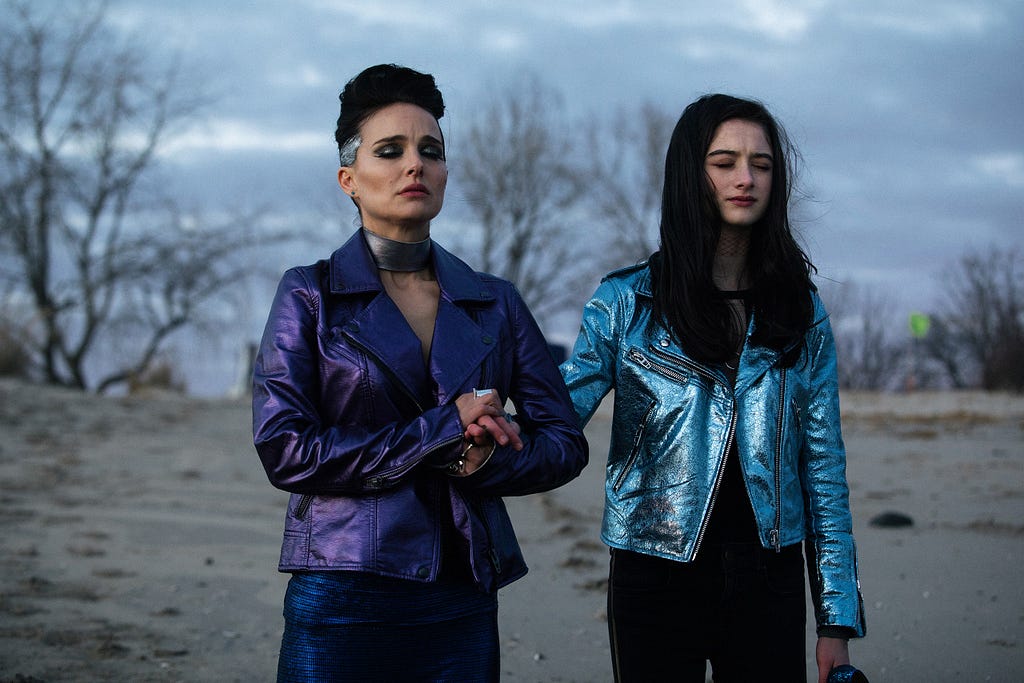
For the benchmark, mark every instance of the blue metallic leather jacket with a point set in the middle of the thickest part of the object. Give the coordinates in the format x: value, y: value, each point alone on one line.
x: 675, y: 419
x: 350, y: 420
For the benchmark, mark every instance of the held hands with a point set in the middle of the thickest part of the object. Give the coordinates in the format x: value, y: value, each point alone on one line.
x: 483, y: 417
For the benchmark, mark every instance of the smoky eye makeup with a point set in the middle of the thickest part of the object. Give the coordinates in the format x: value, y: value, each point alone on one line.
x: 432, y: 151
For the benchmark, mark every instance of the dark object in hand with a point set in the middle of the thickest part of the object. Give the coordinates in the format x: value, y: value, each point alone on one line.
x: 846, y: 674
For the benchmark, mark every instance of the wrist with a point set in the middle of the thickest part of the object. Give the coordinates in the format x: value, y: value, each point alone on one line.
x: 471, y: 459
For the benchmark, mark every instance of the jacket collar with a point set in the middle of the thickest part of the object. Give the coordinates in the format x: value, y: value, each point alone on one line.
x: 353, y: 271
x: 459, y: 345
x: 755, y: 360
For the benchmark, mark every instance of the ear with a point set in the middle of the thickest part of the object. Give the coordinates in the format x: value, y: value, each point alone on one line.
x: 346, y: 180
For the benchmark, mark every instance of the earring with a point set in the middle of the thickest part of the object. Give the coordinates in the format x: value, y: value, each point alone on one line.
x: 353, y: 193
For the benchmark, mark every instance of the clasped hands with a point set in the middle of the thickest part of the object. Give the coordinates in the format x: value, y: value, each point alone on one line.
x: 485, y: 424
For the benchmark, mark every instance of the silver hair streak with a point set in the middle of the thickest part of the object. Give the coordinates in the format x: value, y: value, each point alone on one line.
x: 347, y: 152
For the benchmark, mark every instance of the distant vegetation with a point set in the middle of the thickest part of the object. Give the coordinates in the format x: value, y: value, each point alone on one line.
x: 99, y: 269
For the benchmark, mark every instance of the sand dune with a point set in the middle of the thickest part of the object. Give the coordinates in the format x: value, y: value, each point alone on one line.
x: 139, y: 539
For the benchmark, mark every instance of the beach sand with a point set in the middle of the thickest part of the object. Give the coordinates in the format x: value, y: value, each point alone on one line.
x: 139, y: 540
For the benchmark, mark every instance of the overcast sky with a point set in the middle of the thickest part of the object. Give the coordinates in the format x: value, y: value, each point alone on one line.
x: 909, y: 115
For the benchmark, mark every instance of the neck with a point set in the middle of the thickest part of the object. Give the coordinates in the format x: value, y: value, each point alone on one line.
x: 730, y: 268
x: 396, y: 255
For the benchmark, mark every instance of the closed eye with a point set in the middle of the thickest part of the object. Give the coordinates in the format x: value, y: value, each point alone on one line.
x: 432, y: 151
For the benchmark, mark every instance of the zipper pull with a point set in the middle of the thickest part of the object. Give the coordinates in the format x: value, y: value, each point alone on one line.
x: 773, y: 538
x: 640, y: 358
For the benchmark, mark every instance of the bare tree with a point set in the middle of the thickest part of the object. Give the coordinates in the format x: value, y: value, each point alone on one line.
x: 871, y: 355
x: 515, y: 171
x: 627, y: 165
x: 87, y: 245
x: 979, y: 330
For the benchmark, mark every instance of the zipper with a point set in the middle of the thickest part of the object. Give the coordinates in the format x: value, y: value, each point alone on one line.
x: 387, y: 371
x: 774, y: 535
x: 686, y: 362
x: 492, y: 552
x: 378, y: 480
x: 303, y: 506
x: 718, y: 485
x: 637, y: 440
x: 638, y: 357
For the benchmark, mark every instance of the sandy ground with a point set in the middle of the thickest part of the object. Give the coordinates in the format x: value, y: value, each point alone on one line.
x: 139, y: 536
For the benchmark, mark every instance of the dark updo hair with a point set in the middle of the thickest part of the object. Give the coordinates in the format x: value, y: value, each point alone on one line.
x: 377, y: 87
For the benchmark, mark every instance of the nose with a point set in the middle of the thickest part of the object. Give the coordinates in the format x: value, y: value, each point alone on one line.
x: 415, y: 168
x: 744, y: 176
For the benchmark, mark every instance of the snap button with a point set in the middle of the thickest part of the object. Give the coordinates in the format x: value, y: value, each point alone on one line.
x: 664, y: 342
x: 487, y: 339
x: 423, y: 572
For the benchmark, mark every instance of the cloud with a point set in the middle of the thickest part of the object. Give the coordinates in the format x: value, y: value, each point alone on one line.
x: 228, y: 135
x: 1007, y: 167
x: 934, y: 20
x: 502, y: 40
x: 306, y: 75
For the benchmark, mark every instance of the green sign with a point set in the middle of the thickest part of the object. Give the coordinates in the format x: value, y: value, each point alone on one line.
x: 919, y: 324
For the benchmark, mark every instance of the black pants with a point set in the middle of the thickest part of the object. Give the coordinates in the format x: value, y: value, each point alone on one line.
x: 739, y: 606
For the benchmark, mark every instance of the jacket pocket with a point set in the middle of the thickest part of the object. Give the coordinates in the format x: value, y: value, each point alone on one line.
x: 302, y: 507
x: 638, y: 440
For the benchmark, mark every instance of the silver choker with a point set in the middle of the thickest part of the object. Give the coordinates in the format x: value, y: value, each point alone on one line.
x: 404, y: 257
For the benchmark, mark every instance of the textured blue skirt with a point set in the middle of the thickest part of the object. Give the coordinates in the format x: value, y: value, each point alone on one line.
x: 353, y: 626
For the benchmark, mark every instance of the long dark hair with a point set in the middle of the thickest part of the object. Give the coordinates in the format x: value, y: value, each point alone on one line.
x: 685, y: 296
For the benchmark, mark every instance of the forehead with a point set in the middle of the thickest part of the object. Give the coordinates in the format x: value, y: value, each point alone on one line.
x: 737, y: 134
x: 400, y: 119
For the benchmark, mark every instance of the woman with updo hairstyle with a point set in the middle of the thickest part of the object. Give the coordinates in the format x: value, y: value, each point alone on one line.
x: 379, y: 398
x: 726, y: 463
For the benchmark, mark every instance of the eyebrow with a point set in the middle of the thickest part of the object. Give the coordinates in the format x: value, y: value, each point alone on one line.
x: 402, y: 138
x: 756, y: 155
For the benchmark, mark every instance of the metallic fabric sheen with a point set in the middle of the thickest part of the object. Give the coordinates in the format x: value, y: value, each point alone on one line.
x: 351, y: 626
x: 404, y: 257
x: 349, y: 419
x: 674, y: 420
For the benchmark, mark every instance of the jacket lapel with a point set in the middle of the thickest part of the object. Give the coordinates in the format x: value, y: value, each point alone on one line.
x: 459, y: 349
x: 379, y: 327
x: 383, y: 332
x: 459, y: 345
x: 755, y: 361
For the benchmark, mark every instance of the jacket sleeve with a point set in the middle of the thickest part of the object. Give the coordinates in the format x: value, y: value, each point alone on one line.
x: 554, y: 448
x: 300, y: 451
x: 589, y: 373
x: 832, y: 556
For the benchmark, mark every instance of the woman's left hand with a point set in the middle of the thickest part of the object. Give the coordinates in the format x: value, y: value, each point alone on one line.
x: 483, y: 417
x: 830, y: 653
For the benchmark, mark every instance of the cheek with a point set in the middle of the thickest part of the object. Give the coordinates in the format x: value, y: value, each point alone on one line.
x: 715, y: 182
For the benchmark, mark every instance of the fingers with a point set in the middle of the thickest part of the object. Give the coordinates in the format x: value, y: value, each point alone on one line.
x: 511, y: 431
x: 471, y: 407
x: 501, y: 431
x: 484, y: 418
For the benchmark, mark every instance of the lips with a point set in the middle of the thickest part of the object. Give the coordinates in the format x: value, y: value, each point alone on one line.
x: 415, y: 190
x: 743, y: 201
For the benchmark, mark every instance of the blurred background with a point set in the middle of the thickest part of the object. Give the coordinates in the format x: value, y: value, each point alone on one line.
x: 161, y: 164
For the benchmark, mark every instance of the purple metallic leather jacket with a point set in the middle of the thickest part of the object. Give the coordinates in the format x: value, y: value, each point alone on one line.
x: 349, y: 419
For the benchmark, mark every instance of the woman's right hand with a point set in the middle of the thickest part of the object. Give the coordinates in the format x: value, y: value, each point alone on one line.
x: 482, y: 414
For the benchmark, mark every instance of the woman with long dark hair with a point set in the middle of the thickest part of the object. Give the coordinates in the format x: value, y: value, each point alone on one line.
x: 726, y: 457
